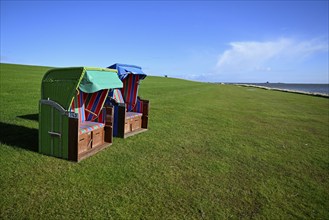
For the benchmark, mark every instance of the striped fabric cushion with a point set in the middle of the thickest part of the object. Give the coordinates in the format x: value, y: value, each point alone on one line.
x: 130, y: 115
x: 130, y: 90
x: 88, y: 126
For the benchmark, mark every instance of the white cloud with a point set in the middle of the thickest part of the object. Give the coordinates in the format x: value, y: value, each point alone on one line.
x: 259, y: 56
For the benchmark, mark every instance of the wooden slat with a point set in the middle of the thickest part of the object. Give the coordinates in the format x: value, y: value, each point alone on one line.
x: 73, y: 139
x: 145, y: 117
x: 121, y: 121
x: 108, y: 136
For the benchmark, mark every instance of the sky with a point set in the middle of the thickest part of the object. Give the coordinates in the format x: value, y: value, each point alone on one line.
x: 210, y: 41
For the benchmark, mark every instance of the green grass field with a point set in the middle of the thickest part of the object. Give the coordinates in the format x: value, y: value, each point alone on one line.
x: 211, y: 152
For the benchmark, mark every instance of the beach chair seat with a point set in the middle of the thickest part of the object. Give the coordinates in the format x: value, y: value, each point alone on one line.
x: 92, y: 118
x: 88, y: 126
x: 132, y: 115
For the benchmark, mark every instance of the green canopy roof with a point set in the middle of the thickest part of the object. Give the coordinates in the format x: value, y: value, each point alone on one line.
x: 61, y: 84
x: 95, y: 80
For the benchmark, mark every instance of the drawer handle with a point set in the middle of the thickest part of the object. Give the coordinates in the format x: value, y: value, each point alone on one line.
x: 54, y: 133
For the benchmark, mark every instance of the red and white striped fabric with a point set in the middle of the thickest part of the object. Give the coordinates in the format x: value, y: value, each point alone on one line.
x: 89, y: 107
x: 130, y: 91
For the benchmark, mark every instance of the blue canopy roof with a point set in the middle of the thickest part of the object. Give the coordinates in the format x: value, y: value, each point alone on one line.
x: 125, y: 69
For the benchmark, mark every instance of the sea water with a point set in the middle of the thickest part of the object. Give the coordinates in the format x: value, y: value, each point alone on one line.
x: 311, y: 88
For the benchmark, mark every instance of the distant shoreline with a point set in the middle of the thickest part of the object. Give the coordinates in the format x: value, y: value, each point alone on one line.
x: 285, y: 90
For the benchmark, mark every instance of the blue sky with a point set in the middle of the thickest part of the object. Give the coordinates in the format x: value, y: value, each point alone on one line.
x: 216, y: 41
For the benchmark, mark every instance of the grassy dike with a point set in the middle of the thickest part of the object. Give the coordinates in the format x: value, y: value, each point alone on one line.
x: 212, y: 152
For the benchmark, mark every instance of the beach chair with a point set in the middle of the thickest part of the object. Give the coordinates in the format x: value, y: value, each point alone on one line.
x: 130, y: 111
x: 73, y: 122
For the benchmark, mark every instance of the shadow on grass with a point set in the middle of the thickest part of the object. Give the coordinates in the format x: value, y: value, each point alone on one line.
x: 32, y: 117
x: 19, y: 136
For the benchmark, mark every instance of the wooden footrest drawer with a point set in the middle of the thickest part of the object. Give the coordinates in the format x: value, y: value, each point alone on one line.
x: 84, y: 142
x: 90, y: 140
x: 98, y: 137
x: 133, y: 124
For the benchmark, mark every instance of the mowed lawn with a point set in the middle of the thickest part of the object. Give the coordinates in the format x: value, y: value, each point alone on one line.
x: 212, y: 152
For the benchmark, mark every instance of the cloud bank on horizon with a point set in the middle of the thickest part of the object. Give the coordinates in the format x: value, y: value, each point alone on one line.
x: 251, y: 55
x: 245, y: 58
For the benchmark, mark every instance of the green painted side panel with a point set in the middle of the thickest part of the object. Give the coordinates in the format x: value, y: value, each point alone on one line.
x: 56, y: 151
x: 44, y: 127
x: 51, y: 120
x: 39, y: 130
x: 60, y: 85
x: 65, y: 138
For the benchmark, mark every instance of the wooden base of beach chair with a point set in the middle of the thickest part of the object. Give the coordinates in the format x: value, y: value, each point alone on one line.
x: 90, y: 143
x: 146, y: 109
x: 87, y: 144
x: 109, y: 125
x: 92, y: 151
x: 140, y: 130
x: 84, y: 142
x: 90, y: 140
x: 131, y: 123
